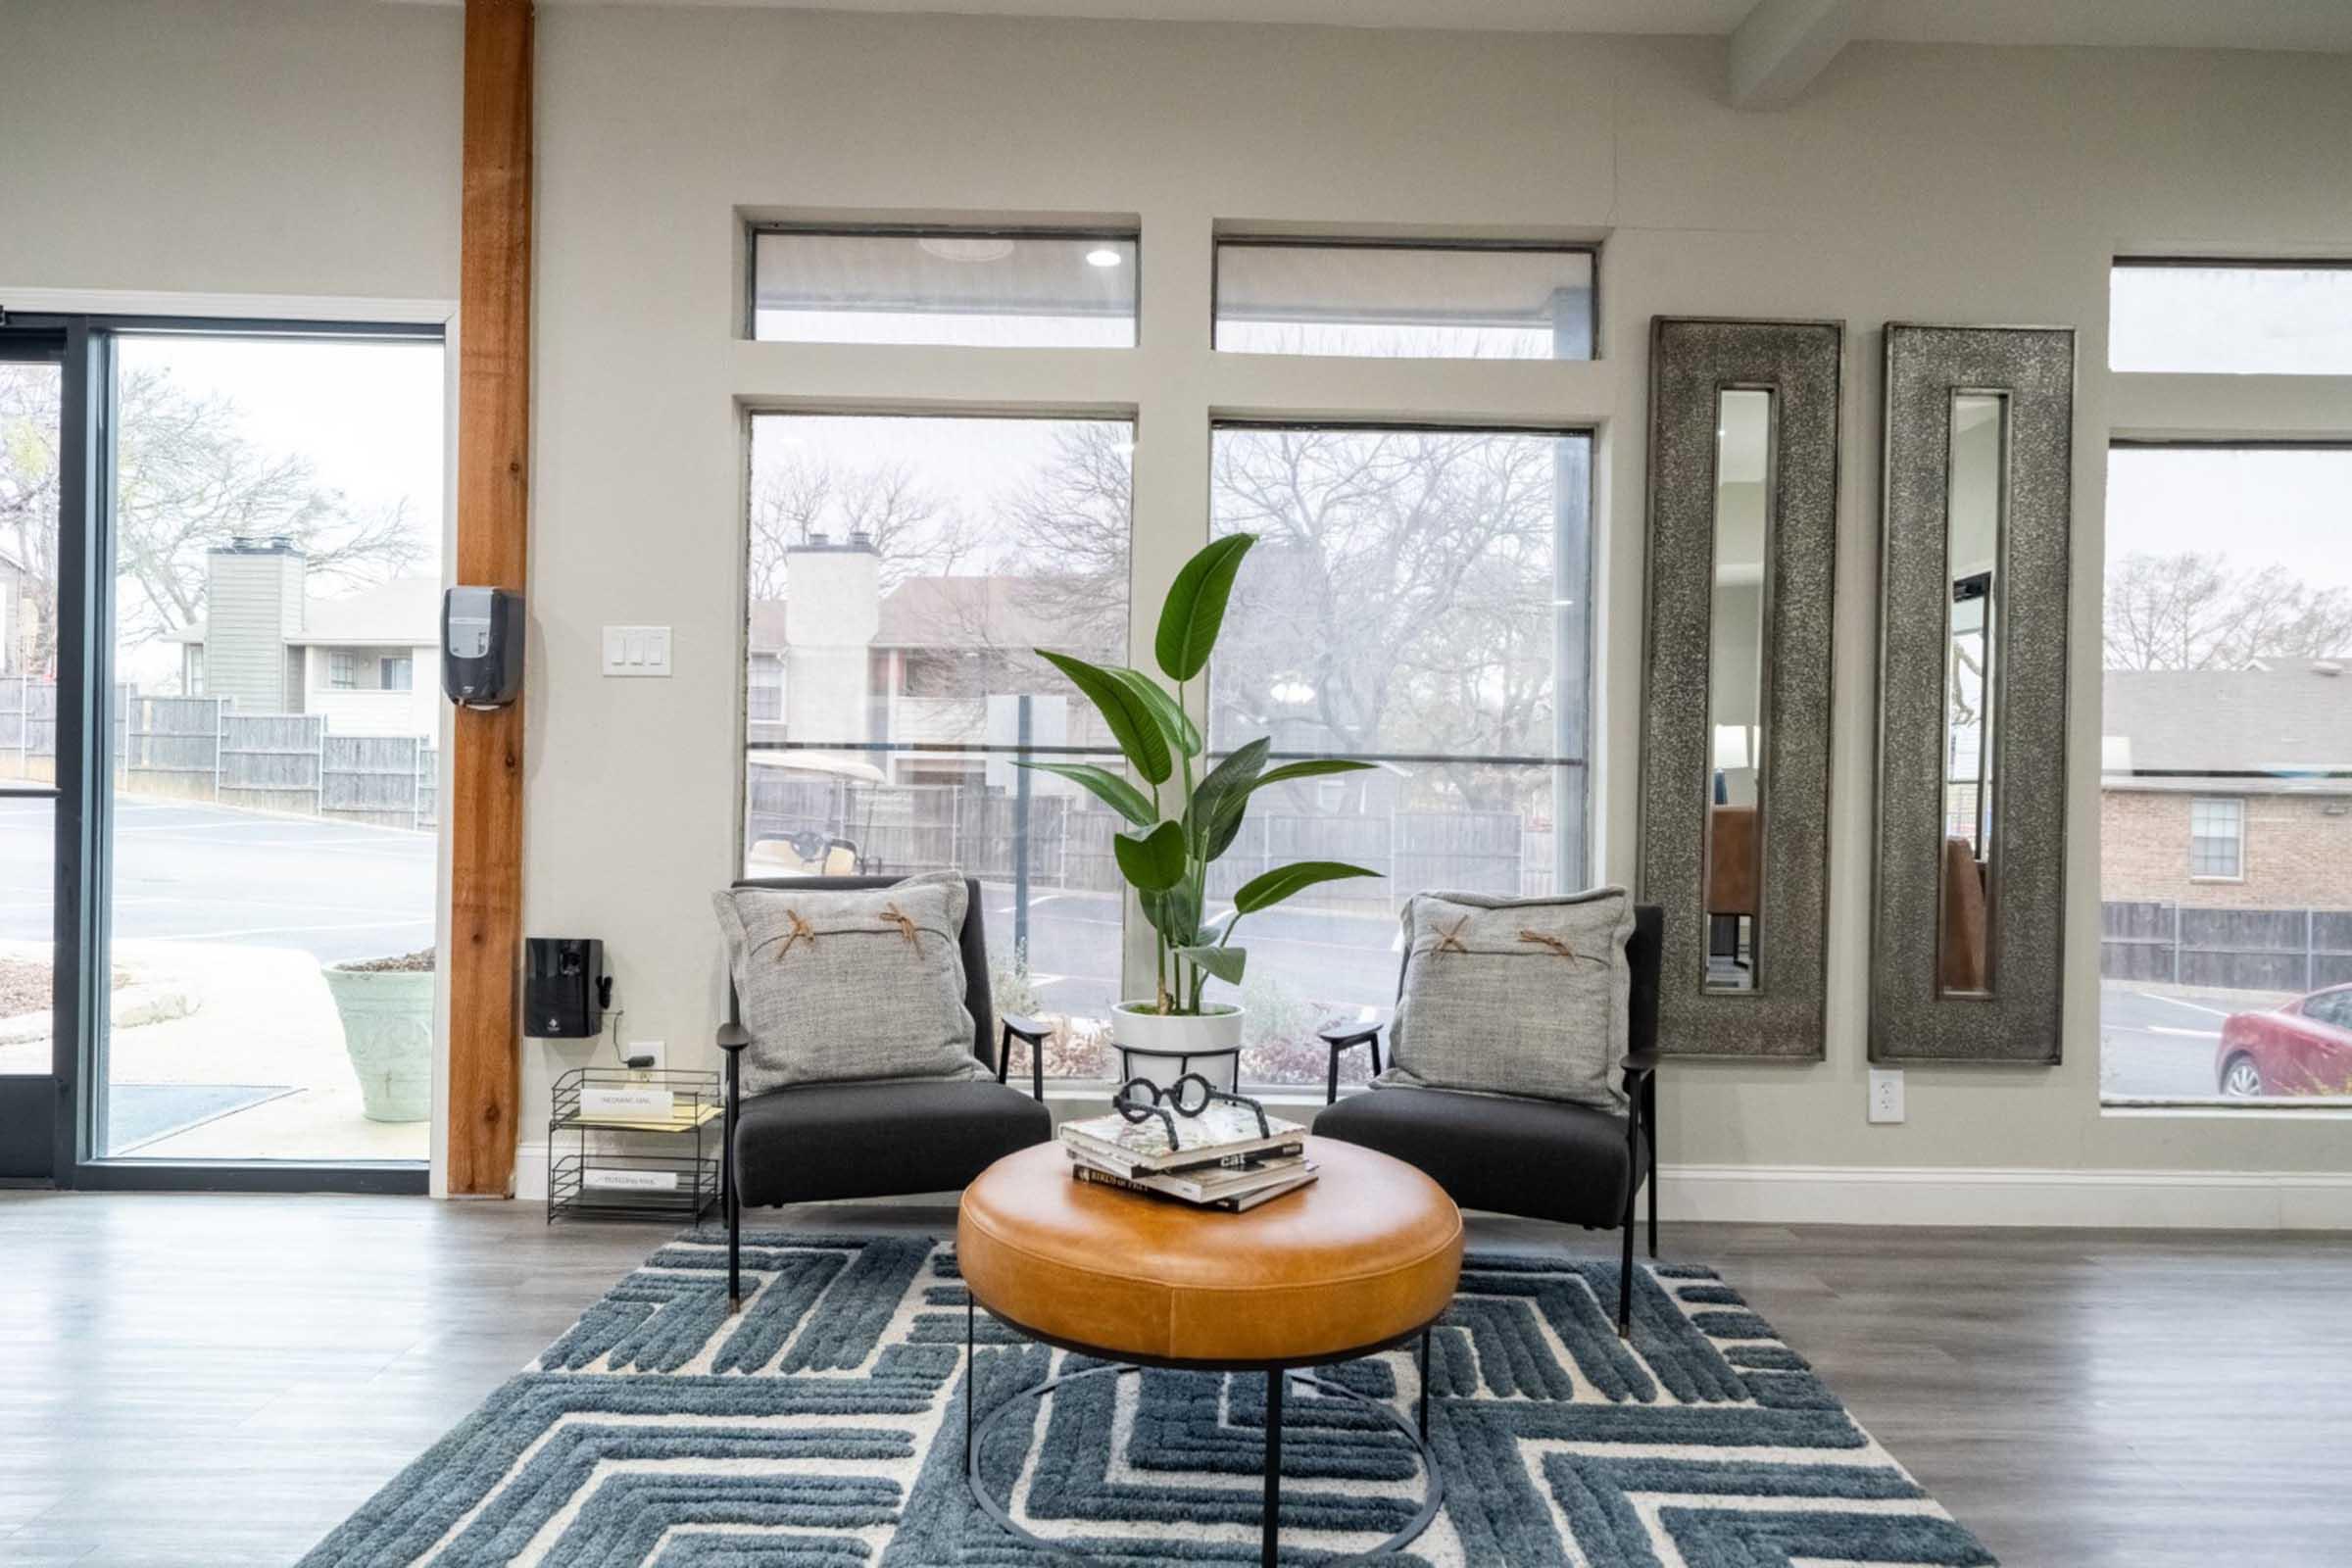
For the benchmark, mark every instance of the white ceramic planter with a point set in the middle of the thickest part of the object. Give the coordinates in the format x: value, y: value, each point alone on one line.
x: 388, y: 1034
x: 1158, y: 1044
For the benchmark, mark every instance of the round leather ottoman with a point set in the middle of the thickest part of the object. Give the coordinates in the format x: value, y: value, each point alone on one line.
x: 1365, y: 1259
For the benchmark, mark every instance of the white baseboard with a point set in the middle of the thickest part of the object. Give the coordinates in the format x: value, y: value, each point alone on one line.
x: 1929, y: 1194
x: 1937, y: 1194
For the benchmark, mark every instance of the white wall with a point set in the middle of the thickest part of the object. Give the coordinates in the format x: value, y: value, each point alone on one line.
x: 1943, y: 184
x: 254, y: 147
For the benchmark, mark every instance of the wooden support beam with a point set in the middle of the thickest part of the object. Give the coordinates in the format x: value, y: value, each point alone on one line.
x: 1782, y: 45
x: 493, y: 453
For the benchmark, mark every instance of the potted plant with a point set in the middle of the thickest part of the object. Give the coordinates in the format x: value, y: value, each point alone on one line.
x: 387, y: 1010
x: 1176, y: 836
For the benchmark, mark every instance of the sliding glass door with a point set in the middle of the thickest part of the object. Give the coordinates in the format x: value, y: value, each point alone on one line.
x: 216, y: 653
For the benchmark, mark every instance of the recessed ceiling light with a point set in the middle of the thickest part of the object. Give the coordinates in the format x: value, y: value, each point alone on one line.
x: 949, y: 248
x: 1103, y: 257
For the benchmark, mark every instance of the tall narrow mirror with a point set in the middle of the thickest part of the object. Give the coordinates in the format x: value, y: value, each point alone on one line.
x: 1974, y: 496
x: 1736, y: 698
x: 1735, y: 684
x: 1968, y: 943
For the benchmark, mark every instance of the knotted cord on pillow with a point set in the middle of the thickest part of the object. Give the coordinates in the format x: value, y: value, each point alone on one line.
x: 893, y: 916
x: 1557, y: 944
x: 800, y: 928
x: 1449, y: 938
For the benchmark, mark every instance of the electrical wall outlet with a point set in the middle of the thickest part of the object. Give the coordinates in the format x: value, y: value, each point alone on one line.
x: 1885, y: 1094
x: 656, y: 1048
x: 636, y: 650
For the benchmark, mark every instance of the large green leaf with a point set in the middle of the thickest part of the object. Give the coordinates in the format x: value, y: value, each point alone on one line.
x: 1133, y: 723
x: 1106, y: 786
x: 1174, y: 721
x: 1214, y: 814
x: 1153, y: 861
x: 1226, y: 963
x: 1310, y: 769
x: 1261, y: 892
x: 1195, y: 610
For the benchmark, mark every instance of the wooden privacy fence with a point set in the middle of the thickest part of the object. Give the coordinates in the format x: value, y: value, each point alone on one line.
x: 2223, y: 949
x: 201, y: 749
x: 928, y: 827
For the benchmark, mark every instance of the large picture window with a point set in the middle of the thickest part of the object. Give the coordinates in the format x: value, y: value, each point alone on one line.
x: 1417, y: 600
x: 901, y: 572
x: 2226, y: 789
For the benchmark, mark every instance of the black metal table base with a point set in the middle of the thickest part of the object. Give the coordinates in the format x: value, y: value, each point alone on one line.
x: 1270, y: 1516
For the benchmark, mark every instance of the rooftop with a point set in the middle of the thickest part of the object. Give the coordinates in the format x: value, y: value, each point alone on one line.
x: 2288, y: 716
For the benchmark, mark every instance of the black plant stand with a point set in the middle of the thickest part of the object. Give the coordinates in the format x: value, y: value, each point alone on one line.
x: 1278, y: 1375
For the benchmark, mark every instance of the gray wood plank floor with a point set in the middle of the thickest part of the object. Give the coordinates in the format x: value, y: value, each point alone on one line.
x: 198, y: 1380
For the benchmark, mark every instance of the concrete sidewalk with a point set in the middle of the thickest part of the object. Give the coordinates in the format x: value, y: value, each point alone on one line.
x: 263, y: 1016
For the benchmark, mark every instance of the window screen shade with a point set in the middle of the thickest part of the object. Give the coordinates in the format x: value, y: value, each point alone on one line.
x: 2229, y: 321
x: 1422, y: 302
x: 944, y: 288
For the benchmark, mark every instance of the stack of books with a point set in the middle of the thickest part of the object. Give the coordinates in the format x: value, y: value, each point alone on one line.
x: 1221, y: 1160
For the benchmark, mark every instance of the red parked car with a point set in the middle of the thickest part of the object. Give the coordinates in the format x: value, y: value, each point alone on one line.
x: 2302, y: 1047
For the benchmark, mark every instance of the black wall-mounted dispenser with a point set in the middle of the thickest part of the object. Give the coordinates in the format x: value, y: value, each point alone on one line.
x: 565, y: 988
x: 481, y: 646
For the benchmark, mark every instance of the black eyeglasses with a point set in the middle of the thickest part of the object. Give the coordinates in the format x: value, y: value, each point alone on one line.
x: 1139, y: 1100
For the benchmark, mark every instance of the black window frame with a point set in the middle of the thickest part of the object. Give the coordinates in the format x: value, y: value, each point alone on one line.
x: 85, y: 344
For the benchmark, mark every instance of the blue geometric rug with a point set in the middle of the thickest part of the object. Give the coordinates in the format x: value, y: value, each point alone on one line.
x: 823, y: 1429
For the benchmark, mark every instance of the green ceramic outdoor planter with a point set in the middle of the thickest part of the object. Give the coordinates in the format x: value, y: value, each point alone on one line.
x: 388, y: 1034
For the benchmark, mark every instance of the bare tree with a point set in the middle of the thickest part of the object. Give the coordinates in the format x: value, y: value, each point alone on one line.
x: 186, y: 478
x: 2192, y: 611
x: 915, y: 532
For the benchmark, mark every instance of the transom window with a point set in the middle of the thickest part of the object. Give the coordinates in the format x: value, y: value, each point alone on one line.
x: 955, y: 287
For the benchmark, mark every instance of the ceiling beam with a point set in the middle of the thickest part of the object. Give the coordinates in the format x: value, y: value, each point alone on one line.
x: 1782, y: 45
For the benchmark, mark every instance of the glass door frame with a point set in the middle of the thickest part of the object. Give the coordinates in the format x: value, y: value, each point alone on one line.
x: 84, y: 817
x: 29, y: 1101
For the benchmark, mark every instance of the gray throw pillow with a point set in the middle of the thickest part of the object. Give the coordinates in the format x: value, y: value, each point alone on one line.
x: 842, y: 986
x: 1515, y: 997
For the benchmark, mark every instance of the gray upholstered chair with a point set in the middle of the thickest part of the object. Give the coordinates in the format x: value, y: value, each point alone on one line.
x: 1539, y: 1158
x: 818, y: 1142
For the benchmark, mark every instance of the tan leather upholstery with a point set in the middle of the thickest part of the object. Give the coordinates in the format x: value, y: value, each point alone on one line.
x: 1963, y: 964
x: 1366, y: 1254
x: 1731, y: 860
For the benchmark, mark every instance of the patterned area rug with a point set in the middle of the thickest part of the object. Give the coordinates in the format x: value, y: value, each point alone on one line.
x: 823, y: 1429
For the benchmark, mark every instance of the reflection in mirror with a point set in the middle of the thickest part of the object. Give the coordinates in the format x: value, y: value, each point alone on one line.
x: 1735, y: 686
x: 1973, y: 507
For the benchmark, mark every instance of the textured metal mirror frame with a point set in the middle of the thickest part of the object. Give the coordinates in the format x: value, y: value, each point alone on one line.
x: 1969, y: 959
x: 1779, y: 1012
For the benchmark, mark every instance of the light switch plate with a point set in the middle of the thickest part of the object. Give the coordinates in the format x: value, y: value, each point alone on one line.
x: 1885, y: 1094
x: 636, y: 650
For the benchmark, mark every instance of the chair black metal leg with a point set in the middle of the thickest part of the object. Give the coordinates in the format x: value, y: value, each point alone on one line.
x: 734, y: 1252
x: 732, y: 1196
x: 1650, y: 1130
x: 1270, y: 1526
x: 1625, y: 1275
x: 971, y: 1374
x: 1425, y: 1384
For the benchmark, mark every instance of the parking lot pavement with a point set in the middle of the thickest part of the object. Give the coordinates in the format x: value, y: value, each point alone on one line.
x: 189, y: 872
x: 2161, y: 1043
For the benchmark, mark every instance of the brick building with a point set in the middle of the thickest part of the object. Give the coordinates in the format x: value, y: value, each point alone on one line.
x: 2229, y: 789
